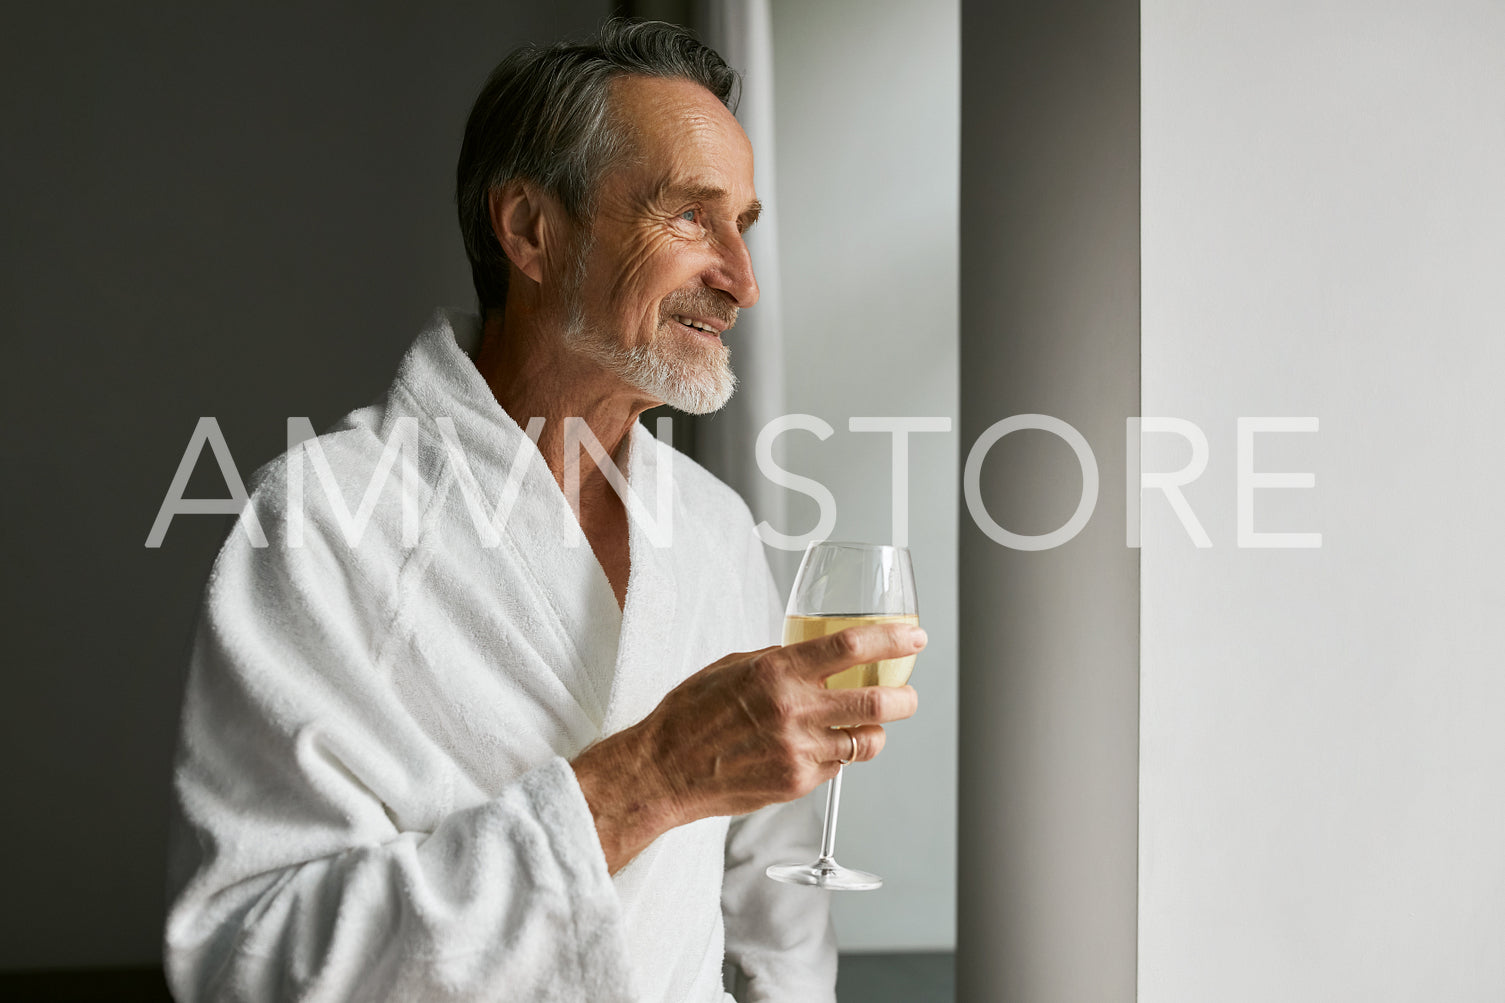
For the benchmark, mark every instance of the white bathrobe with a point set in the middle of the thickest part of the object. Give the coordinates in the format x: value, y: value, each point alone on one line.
x: 373, y: 788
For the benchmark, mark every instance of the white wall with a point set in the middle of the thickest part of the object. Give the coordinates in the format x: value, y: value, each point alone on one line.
x: 1322, y: 807
x: 866, y: 104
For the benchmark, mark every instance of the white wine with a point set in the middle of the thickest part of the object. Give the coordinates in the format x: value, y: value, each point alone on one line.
x: 887, y: 672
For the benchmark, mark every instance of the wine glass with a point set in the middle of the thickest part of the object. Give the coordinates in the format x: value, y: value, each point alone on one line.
x: 841, y: 585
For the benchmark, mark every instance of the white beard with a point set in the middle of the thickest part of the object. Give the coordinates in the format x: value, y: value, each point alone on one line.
x: 685, y: 371
x: 682, y: 370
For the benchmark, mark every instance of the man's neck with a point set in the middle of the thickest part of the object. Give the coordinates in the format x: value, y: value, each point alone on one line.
x: 533, y: 375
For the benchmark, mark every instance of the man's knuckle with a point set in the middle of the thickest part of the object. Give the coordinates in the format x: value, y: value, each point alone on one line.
x: 845, y: 644
x: 807, y: 777
x: 788, y: 772
x: 768, y: 666
x: 783, y: 746
x: 783, y: 709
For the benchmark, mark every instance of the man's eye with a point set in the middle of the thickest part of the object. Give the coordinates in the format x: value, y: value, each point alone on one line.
x: 689, y: 214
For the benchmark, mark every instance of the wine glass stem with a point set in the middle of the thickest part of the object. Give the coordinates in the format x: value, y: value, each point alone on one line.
x: 828, y: 832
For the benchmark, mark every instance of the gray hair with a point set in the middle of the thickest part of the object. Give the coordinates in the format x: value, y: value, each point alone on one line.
x: 544, y: 115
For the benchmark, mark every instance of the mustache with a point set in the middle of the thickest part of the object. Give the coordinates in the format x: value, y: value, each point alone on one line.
x: 702, y: 303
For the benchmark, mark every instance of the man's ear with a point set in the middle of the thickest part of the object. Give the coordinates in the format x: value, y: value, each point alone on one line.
x: 524, y: 220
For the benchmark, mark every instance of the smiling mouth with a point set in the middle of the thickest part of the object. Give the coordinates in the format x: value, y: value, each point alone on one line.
x: 699, y: 327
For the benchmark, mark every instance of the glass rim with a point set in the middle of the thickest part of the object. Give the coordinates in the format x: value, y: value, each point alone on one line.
x: 853, y: 545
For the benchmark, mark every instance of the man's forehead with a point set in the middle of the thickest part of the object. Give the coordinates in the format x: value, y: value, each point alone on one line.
x: 687, y: 144
x: 664, y: 116
x: 635, y: 92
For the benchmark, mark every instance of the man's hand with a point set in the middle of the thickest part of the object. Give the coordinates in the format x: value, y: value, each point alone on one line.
x: 749, y: 730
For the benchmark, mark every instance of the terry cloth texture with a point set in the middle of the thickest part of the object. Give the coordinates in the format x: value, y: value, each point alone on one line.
x: 373, y: 792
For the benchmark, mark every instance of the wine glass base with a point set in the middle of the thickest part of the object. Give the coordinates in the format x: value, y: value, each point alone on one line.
x: 825, y: 874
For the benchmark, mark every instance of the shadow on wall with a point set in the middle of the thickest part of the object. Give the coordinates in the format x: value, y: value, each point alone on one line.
x: 210, y: 211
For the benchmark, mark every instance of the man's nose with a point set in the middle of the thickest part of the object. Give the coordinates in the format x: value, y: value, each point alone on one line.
x: 733, y: 273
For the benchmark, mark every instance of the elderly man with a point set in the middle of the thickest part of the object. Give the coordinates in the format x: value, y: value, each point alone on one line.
x: 484, y: 739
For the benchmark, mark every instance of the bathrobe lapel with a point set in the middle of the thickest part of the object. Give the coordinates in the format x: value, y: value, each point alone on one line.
x: 642, y: 674
x: 609, y: 659
x: 553, y: 593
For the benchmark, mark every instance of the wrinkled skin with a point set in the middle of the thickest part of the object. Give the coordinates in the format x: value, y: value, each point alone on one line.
x: 671, y: 222
x: 749, y: 730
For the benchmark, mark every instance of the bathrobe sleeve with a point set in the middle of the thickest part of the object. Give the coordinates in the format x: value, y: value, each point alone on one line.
x: 780, y: 936
x: 291, y: 876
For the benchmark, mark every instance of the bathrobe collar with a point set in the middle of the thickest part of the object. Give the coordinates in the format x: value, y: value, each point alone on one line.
x: 601, y: 646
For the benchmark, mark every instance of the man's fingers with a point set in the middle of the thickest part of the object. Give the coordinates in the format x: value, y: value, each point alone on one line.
x: 875, y: 642
x: 855, y: 745
x: 867, y: 705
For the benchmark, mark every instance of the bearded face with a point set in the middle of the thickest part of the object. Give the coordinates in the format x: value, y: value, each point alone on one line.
x: 663, y: 270
x: 683, y: 366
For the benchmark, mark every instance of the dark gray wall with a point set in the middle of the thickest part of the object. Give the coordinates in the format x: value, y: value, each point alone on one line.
x: 1049, y: 640
x: 206, y: 212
